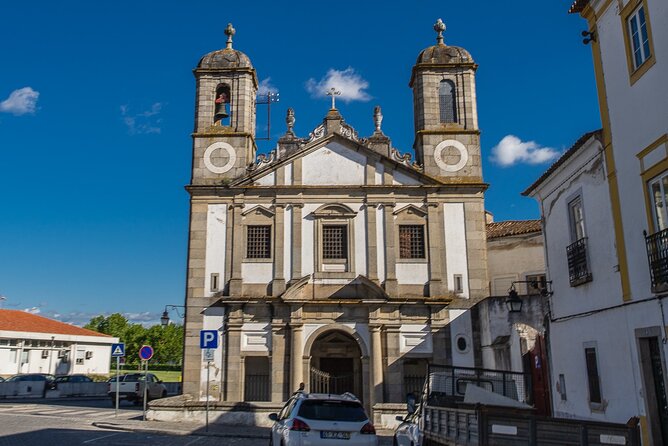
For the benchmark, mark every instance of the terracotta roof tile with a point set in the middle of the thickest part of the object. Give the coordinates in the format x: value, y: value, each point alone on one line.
x: 512, y: 227
x: 598, y: 134
x: 14, y: 320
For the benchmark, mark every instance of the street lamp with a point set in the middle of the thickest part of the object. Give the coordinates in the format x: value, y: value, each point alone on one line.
x: 164, y: 319
x: 513, y: 301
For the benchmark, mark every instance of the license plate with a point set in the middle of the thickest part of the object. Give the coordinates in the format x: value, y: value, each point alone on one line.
x: 335, y: 435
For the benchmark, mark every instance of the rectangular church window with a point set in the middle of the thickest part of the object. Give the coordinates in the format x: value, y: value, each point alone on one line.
x: 334, y: 242
x: 258, y: 242
x: 411, y: 242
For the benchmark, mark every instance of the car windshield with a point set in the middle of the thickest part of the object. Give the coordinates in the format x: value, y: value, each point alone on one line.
x: 333, y: 410
x: 132, y: 378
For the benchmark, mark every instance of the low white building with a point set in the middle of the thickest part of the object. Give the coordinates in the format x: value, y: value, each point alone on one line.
x: 35, y: 344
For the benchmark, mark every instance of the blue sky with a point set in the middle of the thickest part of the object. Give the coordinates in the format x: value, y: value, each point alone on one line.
x: 96, y: 111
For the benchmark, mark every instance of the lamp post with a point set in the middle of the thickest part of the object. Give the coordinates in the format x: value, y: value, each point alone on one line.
x: 164, y: 319
x: 513, y: 301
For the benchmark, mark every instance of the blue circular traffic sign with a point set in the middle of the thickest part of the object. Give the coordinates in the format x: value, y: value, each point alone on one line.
x: 146, y: 352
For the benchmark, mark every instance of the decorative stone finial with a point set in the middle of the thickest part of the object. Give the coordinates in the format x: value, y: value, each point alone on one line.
x: 439, y: 27
x: 229, y: 32
x: 290, y: 121
x: 377, y: 118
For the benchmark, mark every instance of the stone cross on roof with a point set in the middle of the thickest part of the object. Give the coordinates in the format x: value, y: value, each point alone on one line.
x: 439, y: 27
x: 333, y: 92
x: 229, y: 32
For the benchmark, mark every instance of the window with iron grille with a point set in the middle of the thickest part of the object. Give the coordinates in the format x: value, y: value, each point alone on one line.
x: 447, y: 102
x: 411, y: 242
x: 258, y: 242
x: 334, y: 241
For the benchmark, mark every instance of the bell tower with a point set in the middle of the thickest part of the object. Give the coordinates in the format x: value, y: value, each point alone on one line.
x: 447, y: 138
x: 224, y: 137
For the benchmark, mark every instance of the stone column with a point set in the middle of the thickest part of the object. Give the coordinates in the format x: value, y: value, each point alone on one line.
x: 296, y: 355
x: 278, y: 284
x: 235, y: 391
x: 435, y: 246
x: 372, y: 243
x: 390, y: 251
x: 377, y: 365
x: 237, y: 252
x: 296, y: 242
x: 278, y: 370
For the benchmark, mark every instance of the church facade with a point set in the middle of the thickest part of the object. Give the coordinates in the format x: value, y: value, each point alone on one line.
x: 335, y: 261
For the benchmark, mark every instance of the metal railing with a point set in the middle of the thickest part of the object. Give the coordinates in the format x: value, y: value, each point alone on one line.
x: 256, y: 387
x: 657, y: 255
x: 447, y: 384
x: 413, y: 384
x: 578, y: 263
x: 323, y: 382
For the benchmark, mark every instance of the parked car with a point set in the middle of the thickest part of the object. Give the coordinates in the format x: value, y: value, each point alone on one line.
x: 319, y: 418
x: 408, y: 432
x: 131, y: 387
x: 2, y: 379
x: 72, y: 379
x: 48, y: 380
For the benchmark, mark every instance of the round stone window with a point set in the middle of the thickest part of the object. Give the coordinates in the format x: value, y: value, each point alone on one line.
x: 462, y: 343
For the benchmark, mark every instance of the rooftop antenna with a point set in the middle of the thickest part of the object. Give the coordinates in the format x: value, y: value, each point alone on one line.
x: 267, y: 99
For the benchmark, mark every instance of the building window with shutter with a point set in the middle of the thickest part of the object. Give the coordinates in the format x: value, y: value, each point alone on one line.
x: 593, y: 379
x: 447, y: 102
x: 411, y: 242
x: 258, y: 242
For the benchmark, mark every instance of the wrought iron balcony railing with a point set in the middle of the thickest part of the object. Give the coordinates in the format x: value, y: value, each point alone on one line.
x: 657, y: 255
x: 578, y: 263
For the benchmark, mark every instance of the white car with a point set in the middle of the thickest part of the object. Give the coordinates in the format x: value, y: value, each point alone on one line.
x: 408, y: 432
x: 322, y: 419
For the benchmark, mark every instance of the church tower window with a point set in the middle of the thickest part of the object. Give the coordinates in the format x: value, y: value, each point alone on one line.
x: 222, y: 102
x: 447, y: 102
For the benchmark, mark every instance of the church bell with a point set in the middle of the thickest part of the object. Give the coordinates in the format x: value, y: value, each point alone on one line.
x: 221, y: 111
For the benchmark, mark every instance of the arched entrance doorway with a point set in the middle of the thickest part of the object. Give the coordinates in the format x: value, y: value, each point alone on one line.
x: 336, y: 365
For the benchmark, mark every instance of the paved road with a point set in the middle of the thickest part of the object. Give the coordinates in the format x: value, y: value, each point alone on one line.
x: 70, y: 423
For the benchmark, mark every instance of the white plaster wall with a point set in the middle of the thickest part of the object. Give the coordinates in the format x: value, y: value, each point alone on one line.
x: 380, y: 242
x: 513, y: 258
x: 412, y: 273
x: 455, y: 245
x: 415, y: 338
x: 380, y: 170
x: 403, y: 179
x: 216, y: 228
x: 637, y: 118
x: 267, y: 180
x: 333, y: 164
x: 360, y: 238
x: 98, y: 363
x: 256, y: 272
x: 308, y: 238
x: 460, y: 325
x: 8, y: 367
x: 288, y: 174
x: 287, y: 243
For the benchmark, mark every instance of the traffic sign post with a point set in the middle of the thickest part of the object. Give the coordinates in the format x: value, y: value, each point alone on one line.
x: 208, y: 341
x: 145, y: 353
x: 118, y: 352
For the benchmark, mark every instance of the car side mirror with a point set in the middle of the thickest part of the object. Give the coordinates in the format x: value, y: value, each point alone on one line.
x: 400, y: 418
x: 273, y: 416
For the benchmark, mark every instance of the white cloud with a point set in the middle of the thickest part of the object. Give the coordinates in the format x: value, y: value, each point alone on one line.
x: 143, y: 122
x: 20, y: 102
x: 32, y: 310
x: 266, y: 87
x: 512, y: 150
x: 348, y: 82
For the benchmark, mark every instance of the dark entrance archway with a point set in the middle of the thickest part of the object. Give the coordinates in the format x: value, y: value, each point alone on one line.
x: 336, y: 365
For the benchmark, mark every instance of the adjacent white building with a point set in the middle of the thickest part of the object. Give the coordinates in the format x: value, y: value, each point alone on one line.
x: 604, y: 204
x: 35, y: 344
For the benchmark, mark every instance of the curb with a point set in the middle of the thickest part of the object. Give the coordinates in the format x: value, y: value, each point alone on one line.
x: 154, y: 431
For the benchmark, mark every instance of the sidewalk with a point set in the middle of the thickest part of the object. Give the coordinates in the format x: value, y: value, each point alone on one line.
x: 182, y: 428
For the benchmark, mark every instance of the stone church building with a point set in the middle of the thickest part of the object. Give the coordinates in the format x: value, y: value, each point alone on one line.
x: 334, y: 261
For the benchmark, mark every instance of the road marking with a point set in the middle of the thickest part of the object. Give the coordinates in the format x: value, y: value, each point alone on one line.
x: 100, y: 438
x: 194, y: 441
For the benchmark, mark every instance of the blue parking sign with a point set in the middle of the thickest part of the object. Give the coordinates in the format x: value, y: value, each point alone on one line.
x: 208, y: 339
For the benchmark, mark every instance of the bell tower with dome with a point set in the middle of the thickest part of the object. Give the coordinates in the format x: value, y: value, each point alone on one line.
x: 447, y: 138
x: 224, y: 137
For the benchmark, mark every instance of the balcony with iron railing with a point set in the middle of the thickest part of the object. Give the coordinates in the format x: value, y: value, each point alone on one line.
x: 578, y: 263
x: 657, y: 255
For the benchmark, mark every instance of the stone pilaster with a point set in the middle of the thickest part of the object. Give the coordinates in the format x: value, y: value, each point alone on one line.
x: 278, y: 284
x: 377, y: 366
x: 278, y: 369
x: 297, y: 369
x: 236, y: 281
x: 436, y: 247
x: 372, y: 243
x: 390, y: 251
x: 234, y: 384
x: 296, y: 242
